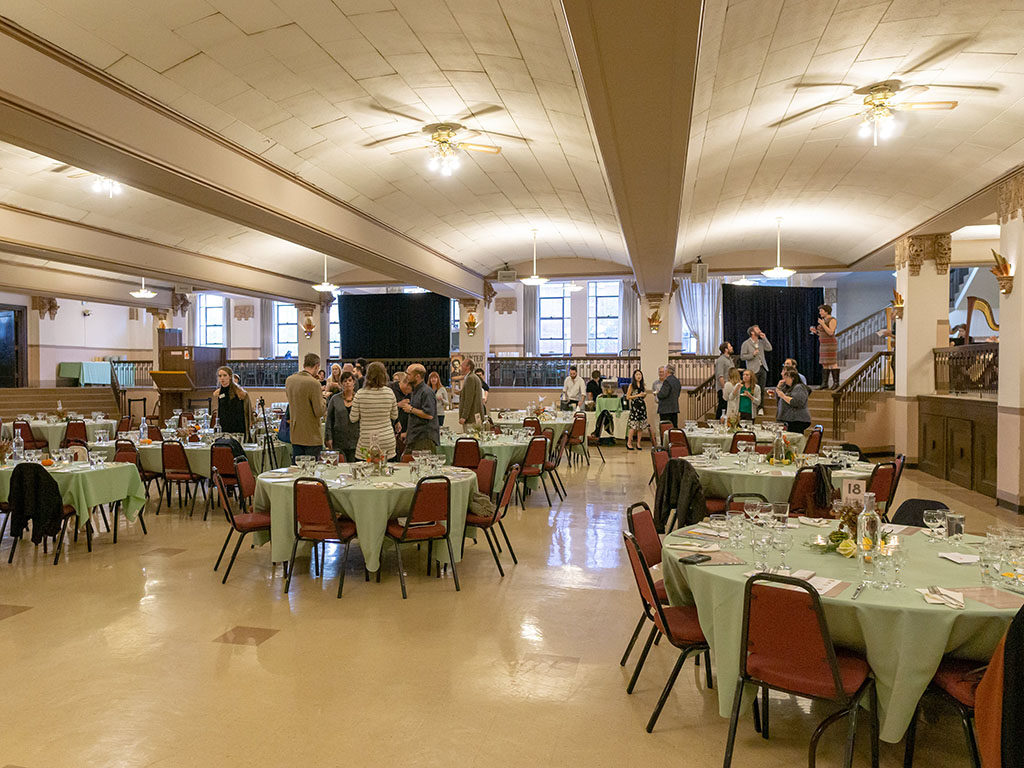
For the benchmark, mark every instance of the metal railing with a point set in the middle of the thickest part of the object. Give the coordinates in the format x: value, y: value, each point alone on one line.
x: 702, y: 399
x: 131, y: 373
x: 967, y: 368
x: 863, y: 384
x: 861, y: 337
x: 272, y: 373
x: 551, y: 371
x: 693, y: 370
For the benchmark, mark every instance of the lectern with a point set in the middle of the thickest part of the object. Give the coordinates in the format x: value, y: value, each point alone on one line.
x: 174, y: 387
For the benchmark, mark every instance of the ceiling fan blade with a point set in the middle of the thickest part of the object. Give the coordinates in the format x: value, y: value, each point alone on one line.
x: 391, y: 138
x: 936, y: 54
x: 968, y: 87
x: 489, y: 148
x: 908, y: 91
x: 394, y: 112
x: 504, y: 135
x: 813, y: 84
x: 916, y: 105
x: 410, y: 149
x: 486, y: 109
x: 798, y: 115
x: 837, y: 120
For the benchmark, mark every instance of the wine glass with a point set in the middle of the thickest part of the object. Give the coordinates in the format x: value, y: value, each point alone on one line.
x: 734, y: 522
x: 751, y: 509
x: 761, y: 544
x: 934, y: 519
x: 718, y: 523
x: 955, y: 528
x: 782, y: 542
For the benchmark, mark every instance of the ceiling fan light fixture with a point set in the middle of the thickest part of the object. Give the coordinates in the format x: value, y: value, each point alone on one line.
x: 534, y: 279
x: 104, y: 186
x: 143, y: 292
x: 325, y: 286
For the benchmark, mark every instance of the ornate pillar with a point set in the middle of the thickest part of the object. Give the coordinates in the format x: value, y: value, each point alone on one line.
x: 474, y: 333
x: 1010, y: 414
x: 922, y: 279
x: 654, y: 341
x: 313, y: 332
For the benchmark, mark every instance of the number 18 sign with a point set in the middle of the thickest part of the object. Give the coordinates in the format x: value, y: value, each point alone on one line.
x: 853, y: 489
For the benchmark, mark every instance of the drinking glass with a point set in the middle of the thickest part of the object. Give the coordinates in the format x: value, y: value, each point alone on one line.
x: 934, y: 519
x: 955, y: 528
x: 987, y: 559
x: 782, y: 542
x: 735, y: 522
x: 899, y: 555
x: 718, y: 522
x: 780, y: 514
x: 764, y: 514
x: 884, y: 569
x: 751, y: 509
x: 761, y: 543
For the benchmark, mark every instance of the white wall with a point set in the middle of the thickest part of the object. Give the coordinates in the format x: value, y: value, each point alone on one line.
x: 506, y: 330
x: 860, y: 294
x: 245, y: 334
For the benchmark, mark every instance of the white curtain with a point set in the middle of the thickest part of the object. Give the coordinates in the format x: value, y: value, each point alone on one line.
x: 630, y: 310
x: 701, y: 304
x: 530, y: 339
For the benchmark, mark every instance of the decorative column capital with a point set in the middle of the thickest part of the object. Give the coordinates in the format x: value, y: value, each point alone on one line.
x: 45, y: 305
x: 180, y: 303
x: 467, y: 306
x: 489, y: 293
x: 160, y: 316
x: 1010, y: 198
x: 912, y: 251
x: 244, y: 311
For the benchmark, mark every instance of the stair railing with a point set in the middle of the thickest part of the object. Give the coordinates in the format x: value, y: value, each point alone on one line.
x: 860, y: 337
x: 861, y: 386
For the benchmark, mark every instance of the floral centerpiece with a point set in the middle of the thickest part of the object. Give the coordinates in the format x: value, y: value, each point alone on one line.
x: 374, y: 456
x: 786, y: 454
x: 843, y: 539
x: 5, y: 451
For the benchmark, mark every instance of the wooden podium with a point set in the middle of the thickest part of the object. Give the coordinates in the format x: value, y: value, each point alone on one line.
x: 174, y: 387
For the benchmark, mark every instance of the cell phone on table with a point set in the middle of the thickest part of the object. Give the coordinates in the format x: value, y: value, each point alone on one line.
x: 695, y: 559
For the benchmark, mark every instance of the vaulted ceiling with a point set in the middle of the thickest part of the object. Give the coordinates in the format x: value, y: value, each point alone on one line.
x: 633, y: 135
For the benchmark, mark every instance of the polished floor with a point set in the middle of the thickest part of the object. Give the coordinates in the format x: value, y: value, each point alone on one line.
x: 136, y: 655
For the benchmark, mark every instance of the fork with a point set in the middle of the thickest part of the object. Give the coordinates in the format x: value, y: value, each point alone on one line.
x: 951, y: 602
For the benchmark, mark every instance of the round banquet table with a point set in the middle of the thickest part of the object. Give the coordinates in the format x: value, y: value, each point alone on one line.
x: 728, y: 475
x: 370, y: 503
x: 903, y: 637
x: 83, y: 486
x: 504, y: 449
x: 198, y: 455
x: 698, y: 438
x: 54, y: 433
x: 558, y: 424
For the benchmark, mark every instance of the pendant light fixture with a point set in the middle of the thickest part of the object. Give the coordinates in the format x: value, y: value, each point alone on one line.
x: 778, y: 272
x: 325, y: 287
x: 573, y: 287
x: 534, y: 279
x: 143, y: 292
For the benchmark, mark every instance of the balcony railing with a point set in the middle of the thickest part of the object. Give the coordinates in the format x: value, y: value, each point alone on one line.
x: 272, y: 373
x: 861, y: 337
x: 970, y: 368
x: 863, y: 384
x: 132, y: 373
x: 551, y: 371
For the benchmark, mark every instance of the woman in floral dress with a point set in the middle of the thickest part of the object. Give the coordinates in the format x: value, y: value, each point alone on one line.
x: 637, y: 422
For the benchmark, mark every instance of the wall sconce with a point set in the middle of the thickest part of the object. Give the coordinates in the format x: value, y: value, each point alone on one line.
x: 471, y: 324
x: 1004, y: 274
x: 654, y: 320
x: 897, y: 305
x: 308, y: 327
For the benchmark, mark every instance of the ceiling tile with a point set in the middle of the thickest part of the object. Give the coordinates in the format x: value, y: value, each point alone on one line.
x: 251, y: 16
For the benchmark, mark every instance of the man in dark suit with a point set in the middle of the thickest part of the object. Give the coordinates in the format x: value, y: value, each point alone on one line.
x: 668, y: 395
x: 471, y: 401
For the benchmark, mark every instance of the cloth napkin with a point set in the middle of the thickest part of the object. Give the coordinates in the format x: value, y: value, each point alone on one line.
x: 960, y: 558
x: 694, y: 546
x: 817, y: 522
x: 957, y: 597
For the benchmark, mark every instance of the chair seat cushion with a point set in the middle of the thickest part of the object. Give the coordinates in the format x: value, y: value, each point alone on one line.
x: 660, y: 591
x: 853, y: 670
x: 683, y: 625
x: 530, y: 471
x: 346, y: 528
x: 252, y: 521
x: 176, y: 475
x: 416, y: 532
x: 480, y: 521
x: 959, y: 678
x: 714, y: 504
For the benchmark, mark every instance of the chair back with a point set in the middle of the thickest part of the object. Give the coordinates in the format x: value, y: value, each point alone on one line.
x: 813, y: 444
x: 659, y: 458
x: 313, y: 513
x: 645, y: 584
x: 34, y: 495
x: 24, y: 429
x: 174, y: 458
x: 431, y: 503
x: 222, y: 495
x: 734, y: 501
x: 579, y: 429
x: 664, y: 427
x: 467, y: 453
x: 80, y: 452
x: 801, y: 495
x: 549, y: 433
x: 508, y: 490
x: 125, y: 452
x: 899, y: 462
x: 742, y: 437
x: 785, y: 637
x: 676, y: 437
x: 75, y: 430
x: 485, y: 471
x: 911, y: 511
x: 223, y: 459
x: 184, y: 417
x: 124, y: 424
x: 533, y: 423
x: 678, y: 451
x: 246, y: 481
x: 641, y: 524
x: 153, y: 433
x: 536, y: 452
x: 882, y: 482
x: 555, y: 457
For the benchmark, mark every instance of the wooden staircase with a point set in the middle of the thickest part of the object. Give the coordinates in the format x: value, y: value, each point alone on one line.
x: 32, y: 400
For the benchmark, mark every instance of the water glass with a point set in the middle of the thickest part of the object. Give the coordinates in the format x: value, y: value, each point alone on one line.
x: 718, y: 522
x: 780, y: 514
x: 761, y: 544
x: 955, y: 527
x: 782, y: 542
x: 884, y: 571
x: 988, y: 559
x: 735, y: 522
x: 899, y: 555
x: 751, y: 509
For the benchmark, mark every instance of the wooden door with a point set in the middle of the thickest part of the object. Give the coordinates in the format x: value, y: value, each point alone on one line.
x: 960, y: 452
x: 932, y: 444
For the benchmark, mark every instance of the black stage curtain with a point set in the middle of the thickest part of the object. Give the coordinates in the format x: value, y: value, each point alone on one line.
x: 394, y: 325
x: 785, y: 315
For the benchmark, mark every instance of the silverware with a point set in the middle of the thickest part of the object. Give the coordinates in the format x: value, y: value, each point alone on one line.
x: 934, y: 591
x: 857, y: 591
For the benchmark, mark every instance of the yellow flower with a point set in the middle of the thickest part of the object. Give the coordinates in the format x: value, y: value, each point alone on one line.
x: 847, y: 548
x: 867, y: 544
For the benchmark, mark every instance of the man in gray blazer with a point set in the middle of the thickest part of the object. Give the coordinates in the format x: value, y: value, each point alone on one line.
x: 471, y: 401
x: 752, y: 352
x: 668, y: 395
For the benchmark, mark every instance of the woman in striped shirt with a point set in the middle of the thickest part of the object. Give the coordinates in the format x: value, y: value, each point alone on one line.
x: 375, y: 408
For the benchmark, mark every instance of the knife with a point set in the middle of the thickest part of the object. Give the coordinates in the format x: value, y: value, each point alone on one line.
x: 857, y: 591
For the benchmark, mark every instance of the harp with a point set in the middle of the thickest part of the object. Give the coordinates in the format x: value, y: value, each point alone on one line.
x: 982, y: 306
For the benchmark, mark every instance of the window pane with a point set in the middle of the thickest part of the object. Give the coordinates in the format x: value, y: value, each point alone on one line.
x: 606, y: 347
x: 286, y: 313
x: 551, y: 329
x: 215, y: 336
x: 607, y: 328
x: 288, y: 334
x: 608, y: 307
x: 215, y: 316
x: 551, y: 308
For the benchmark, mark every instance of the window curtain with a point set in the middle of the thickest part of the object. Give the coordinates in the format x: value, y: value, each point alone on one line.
x: 267, y: 328
x: 630, y: 339
x: 530, y: 335
x: 701, y: 304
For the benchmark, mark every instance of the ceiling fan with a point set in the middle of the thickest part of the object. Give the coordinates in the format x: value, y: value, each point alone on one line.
x: 445, y: 140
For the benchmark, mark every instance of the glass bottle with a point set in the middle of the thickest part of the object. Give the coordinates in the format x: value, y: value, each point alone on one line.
x: 143, y: 429
x: 869, y: 538
x: 778, y: 449
x: 18, y: 447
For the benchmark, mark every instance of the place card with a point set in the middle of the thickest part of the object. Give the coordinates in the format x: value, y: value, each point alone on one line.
x: 701, y: 531
x: 993, y: 597
x: 960, y: 558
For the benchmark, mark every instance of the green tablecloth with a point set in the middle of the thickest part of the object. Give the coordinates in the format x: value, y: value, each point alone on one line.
x: 368, y: 505
x: 86, y: 372
x: 85, y: 487
x: 505, y: 450
x: 54, y: 433
x: 198, y: 456
x: 698, y: 438
x: 729, y: 476
x: 619, y: 422
x: 558, y: 425
x: 903, y: 637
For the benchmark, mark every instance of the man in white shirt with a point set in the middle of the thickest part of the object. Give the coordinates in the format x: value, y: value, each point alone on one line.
x: 573, y: 390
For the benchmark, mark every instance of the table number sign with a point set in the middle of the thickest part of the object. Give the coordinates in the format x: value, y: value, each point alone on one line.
x: 853, y: 489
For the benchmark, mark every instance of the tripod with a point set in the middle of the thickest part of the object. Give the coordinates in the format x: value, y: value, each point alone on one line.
x: 267, y: 454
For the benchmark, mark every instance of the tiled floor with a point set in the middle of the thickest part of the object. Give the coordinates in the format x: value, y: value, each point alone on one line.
x: 129, y: 658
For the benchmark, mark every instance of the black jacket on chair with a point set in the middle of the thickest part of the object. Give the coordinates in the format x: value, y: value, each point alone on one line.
x: 679, y: 489
x: 35, y: 496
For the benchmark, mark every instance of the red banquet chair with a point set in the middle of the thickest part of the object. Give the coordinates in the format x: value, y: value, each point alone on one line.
x: 75, y: 430
x: 240, y: 523
x: 801, y: 495
x: 659, y: 460
x: 679, y: 625
x: 125, y: 452
x: 315, y: 520
x: 485, y: 471
x: 678, y: 437
x: 742, y: 437
x: 533, y: 466
x: 578, y: 437
x: 176, y: 469
x: 786, y: 646
x: 429, y: 520
x: 32, y: 443
x: 553, y: 461
x: 641, y: 524
x: 531, y: 422
x: 467, y: 453
x: 487, y: 523
x: 882, y: 483
x: 124, y: 424
x: 813, y: 444
x: 222, y: 458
